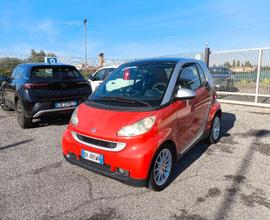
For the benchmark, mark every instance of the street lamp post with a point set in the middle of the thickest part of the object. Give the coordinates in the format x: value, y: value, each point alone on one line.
x: 85, y: 41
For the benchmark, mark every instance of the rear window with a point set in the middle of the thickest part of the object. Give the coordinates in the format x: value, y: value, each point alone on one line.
x: 57, y: 72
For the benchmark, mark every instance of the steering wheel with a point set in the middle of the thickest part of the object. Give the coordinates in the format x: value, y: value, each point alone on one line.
x: 160, y: 87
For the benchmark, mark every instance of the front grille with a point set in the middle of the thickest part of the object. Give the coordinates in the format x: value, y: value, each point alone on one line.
x: 96, y: 142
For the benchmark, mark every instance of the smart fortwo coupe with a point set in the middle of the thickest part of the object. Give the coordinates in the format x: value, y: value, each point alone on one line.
x: 143, y: 118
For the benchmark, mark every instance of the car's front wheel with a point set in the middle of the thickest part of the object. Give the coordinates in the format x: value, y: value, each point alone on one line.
x: 23, y: 121
x: 214, y: 135
x: 161, y: 169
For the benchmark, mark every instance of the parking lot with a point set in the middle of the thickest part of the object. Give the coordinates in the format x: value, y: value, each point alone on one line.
x: 227, y: 180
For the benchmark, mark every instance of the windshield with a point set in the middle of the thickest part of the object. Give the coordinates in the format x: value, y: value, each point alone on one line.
x: 135, y: 85
x: 55, y: 72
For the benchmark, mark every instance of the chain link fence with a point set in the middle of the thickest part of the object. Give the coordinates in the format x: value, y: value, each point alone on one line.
x: 242, y: 76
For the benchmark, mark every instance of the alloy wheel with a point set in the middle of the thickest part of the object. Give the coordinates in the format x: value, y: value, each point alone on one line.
x: 162, y: 167
x: 216, y: 128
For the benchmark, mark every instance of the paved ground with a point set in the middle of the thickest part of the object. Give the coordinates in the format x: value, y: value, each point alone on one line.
x: 227, y: 180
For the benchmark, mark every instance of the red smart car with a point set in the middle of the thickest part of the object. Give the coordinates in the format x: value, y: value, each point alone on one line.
x: 143, y: 118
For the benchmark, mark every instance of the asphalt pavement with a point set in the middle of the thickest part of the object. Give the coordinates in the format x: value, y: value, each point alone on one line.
x: 227, y: 180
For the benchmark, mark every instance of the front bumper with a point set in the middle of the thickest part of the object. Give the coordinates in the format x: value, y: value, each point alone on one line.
x: 103, y: 171
x: 135, y: 158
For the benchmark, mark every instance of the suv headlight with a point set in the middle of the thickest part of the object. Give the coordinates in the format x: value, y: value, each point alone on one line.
x: 74, y: 118
x: 137, y: 128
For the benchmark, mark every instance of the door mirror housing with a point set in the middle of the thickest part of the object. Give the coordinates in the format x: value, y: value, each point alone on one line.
x: 91, y: 77
x: 184, y: 93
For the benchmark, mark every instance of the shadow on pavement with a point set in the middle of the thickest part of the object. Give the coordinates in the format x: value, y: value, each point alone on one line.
x: 52, y: 120
x: 15, y: 144
x: 227, y: 123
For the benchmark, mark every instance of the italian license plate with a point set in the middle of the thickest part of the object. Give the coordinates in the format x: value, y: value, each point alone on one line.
x: 98, y: 158
x: 65, y: 104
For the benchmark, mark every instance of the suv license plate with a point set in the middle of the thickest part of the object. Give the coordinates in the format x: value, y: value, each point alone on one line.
x: 65, y: 104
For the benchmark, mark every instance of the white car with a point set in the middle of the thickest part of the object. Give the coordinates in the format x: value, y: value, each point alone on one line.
x: 99, y: 76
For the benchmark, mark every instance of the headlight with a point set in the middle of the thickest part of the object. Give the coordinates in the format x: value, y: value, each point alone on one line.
x: 74, y: 118
x: 138, y: 128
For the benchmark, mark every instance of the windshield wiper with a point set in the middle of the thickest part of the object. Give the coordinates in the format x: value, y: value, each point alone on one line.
x: 121, y: 99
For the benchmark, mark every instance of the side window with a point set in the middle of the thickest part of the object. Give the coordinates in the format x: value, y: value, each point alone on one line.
x: 19, y: 73
x: 202, y: 75
x: 100, y: 75
x: 189, y: 78
x: 14, y: 73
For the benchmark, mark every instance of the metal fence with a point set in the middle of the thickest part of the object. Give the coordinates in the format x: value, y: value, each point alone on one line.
x: 242, y: 76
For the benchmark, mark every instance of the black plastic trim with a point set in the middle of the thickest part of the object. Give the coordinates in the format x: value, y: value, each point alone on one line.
x: 124, y: 179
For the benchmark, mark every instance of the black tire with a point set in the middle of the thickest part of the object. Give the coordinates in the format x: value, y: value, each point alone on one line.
x: 151, y: 180
x: 23, y: 121
x: 214, y: 136
x: 3, y: 103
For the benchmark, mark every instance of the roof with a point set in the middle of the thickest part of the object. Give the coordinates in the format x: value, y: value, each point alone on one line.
x: 164, y: 59
x: 43, y: 64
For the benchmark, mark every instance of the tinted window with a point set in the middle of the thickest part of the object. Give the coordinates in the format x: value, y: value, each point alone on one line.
x: 100, y: 75
x: 14, y: 73
x: 202, y: 75
x: 19, y: 72
x: 55, y: 72
x: 189, y: 78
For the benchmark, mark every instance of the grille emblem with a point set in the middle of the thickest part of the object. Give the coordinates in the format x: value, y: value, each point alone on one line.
x: 93, y: 130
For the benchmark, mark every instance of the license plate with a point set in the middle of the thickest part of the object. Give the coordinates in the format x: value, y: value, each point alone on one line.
x: 65, y: 104
x: 98, y: 158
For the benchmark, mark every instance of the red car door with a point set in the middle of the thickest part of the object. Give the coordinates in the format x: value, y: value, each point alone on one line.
x: 192, y: 121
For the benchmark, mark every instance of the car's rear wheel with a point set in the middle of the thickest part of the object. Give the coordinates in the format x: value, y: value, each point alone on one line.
x: 23, y: 121
x: 214, y: 135
x: 3, y: 103
x: 161, y: 169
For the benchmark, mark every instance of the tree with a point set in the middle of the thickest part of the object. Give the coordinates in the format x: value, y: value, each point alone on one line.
x: 233, y: 63
x: 248, y: 64
x: 227, y: 64
x: 7, y: 64
x: 39, y: 56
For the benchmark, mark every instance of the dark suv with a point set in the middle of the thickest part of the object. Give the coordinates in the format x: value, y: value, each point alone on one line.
x: 37, y: 90
x: 223, y: 79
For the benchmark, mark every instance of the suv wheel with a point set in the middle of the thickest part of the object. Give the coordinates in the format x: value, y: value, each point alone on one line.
x: 161, y: 169
x: 23, y: 121
x: 215, y: 130
x: 3, y: 104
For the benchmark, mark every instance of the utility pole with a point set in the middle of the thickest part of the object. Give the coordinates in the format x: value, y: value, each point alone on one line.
x: 207, y: 53
x: 85, y: 41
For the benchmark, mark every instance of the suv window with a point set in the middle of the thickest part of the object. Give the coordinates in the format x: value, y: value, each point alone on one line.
x: 100, y: 75
x: 202, y: 75
x: 57, y: 72
x: 14, y: 73
x: 189, y: 78
x: 19, y: 72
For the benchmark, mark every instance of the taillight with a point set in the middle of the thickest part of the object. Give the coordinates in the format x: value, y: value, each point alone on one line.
x: 35, y: 85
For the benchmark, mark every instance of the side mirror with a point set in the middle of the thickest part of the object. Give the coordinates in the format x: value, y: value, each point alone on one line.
x: 91, y: 77
x: 184, y: 93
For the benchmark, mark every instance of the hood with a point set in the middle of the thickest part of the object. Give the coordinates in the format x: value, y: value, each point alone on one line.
x: 106, y: 123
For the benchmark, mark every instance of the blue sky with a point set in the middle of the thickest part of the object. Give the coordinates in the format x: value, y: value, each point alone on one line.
x: 129, y: 28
